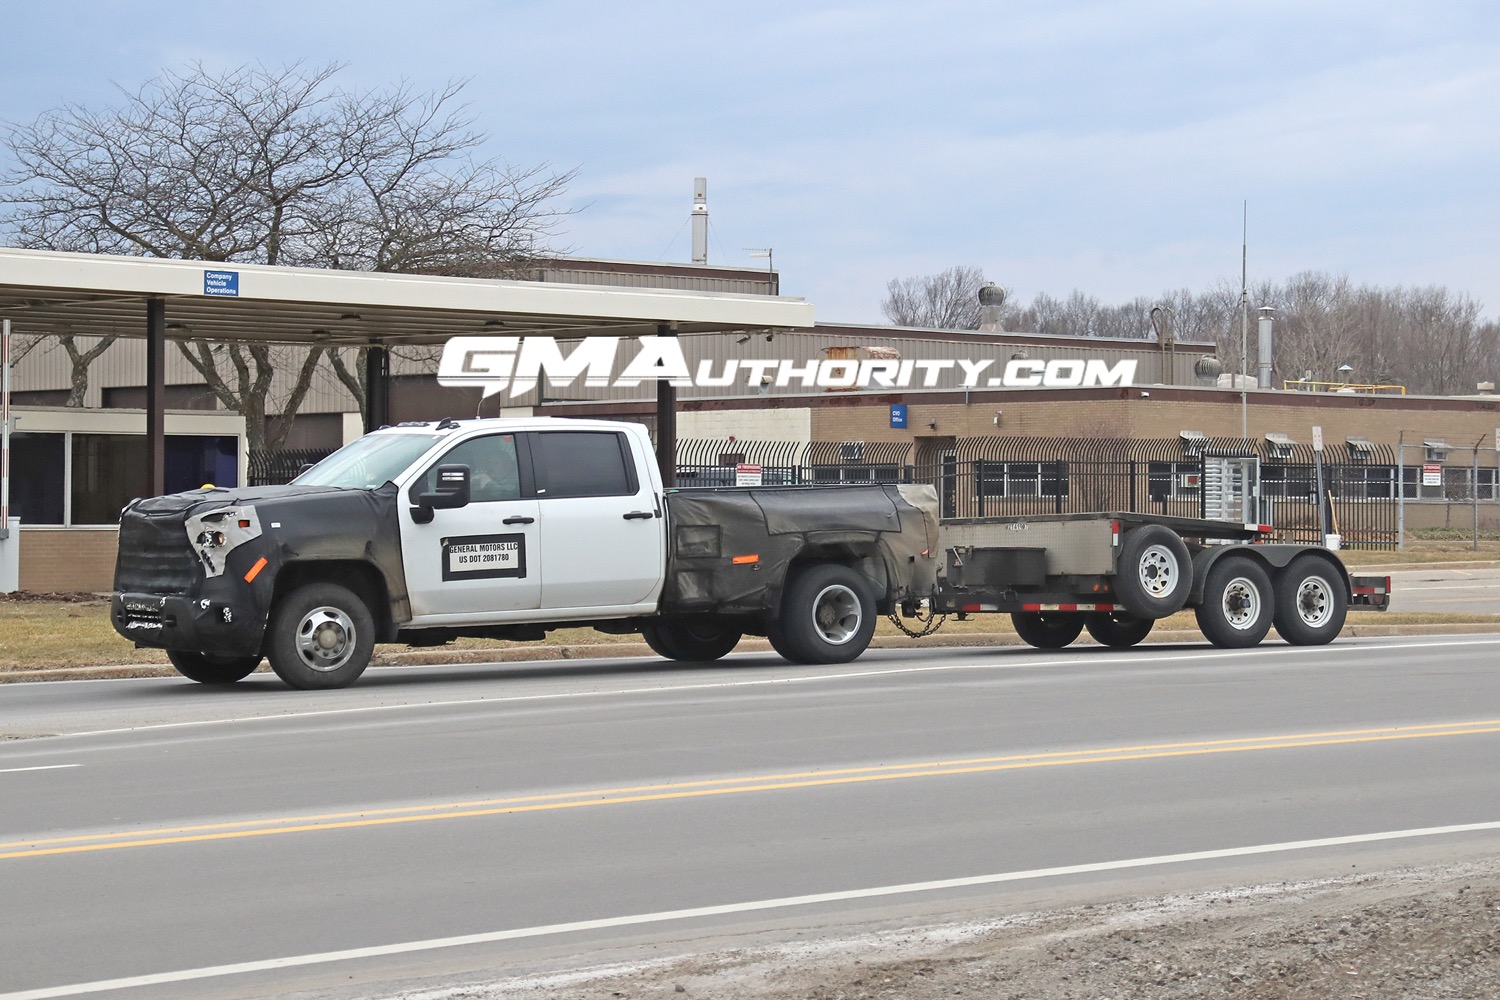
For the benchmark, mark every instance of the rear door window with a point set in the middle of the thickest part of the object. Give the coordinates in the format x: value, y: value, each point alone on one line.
x: 582, y: 464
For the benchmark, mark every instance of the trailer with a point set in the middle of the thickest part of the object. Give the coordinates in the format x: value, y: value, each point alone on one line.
x: 1116, y: 574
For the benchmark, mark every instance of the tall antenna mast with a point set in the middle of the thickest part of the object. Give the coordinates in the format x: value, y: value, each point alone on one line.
x: 1244, y: 318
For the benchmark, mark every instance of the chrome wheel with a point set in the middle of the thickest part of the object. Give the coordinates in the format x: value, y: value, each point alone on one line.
x: 837, y: 614
x: 326, y: 639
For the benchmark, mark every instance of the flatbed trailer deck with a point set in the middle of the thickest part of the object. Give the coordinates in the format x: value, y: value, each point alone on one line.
x: 1116, y: 573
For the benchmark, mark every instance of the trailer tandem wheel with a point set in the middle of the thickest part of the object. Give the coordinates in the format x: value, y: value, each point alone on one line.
x: 1118, y: 629
x: 1311, y: 601
x: 1047, y: 629
x: 1237, y: 603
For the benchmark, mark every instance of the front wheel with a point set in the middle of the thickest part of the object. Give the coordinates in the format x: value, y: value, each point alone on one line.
x: 1047, y: 629
x: 1311, y: 602
x: 677, y: 639
x: 1237, y: 600
x: 1118, y: 629
x: 827, y: 616
x: 206, y: 668
x: 322, y: 636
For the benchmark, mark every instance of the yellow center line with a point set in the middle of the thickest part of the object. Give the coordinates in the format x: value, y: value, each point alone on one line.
x: 28, y: 848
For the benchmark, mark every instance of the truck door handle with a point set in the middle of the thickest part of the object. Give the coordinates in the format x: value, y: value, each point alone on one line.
x: 518, y: 520
x: 637, y: 515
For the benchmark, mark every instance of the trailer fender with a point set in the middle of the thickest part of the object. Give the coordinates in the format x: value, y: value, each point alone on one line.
x: 1272, y: 559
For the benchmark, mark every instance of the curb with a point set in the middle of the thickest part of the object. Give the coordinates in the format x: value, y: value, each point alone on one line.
x: 585, y: 651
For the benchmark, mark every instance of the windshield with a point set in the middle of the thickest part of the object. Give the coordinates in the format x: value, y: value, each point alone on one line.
x: 370, y: 462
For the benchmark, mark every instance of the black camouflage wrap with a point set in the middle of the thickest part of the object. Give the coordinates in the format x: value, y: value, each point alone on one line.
x: 892, y: 529
x: 173, y: 593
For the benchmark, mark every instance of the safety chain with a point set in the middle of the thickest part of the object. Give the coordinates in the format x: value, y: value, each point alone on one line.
x: 931, y: 623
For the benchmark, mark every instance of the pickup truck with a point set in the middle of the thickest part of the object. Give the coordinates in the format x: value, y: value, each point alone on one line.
x: 507, y: 528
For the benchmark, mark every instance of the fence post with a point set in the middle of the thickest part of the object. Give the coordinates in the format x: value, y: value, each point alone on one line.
x: 1401, y: 495
x: 1474, y: 492
x: 979, y: 484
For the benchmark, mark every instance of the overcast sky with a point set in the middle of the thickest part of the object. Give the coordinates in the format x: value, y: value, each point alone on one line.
x: 1105, y: 147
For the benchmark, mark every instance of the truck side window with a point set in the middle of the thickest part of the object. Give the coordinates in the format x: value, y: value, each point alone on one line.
x: 582, y: 464
x: 493, y: 472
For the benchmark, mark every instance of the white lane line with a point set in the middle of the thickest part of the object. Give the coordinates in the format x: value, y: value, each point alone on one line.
x: 1465, y: 586
x: 1362, y: 645
x: 785, y: 902
x: 41, y: 767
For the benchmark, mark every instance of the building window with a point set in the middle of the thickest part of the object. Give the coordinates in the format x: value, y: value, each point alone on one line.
x: 1285, y: 481
x: 37, y: 462
x: 1369, y: 482
x: 109, y: 470
x: 1021, y: 479
x: 1174, y: 480
x: 832, y: 474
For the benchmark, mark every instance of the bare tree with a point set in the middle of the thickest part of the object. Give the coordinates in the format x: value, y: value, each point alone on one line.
x: 275, y: 166
x: 948, y: 300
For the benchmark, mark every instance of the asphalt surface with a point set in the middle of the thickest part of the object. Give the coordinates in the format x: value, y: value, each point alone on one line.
x: 438, y: 824
x: 1452, y: 590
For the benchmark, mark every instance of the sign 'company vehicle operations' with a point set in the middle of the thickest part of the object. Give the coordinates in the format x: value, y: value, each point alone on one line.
x: 506, y: 528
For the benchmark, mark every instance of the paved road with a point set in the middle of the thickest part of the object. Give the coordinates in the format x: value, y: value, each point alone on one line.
x: 1456, y: 591
x: 453, y: 823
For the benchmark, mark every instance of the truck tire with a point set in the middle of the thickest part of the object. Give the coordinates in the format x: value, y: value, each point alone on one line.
x: 206, y: 668
x: 322, y: 636
x: 777, y: 636
x: 1119, y: 629
x: 1237, y: 603
x: 1154, y: 575
x: 1047, y: 629
x: 827, y: 615
x: 1311, y: 601
x: 698, y: 640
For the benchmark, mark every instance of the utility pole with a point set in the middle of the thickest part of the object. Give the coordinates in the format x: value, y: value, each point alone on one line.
x: 1244, y: 320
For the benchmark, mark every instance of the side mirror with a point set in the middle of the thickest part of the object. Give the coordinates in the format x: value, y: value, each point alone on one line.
x: 452, y: 491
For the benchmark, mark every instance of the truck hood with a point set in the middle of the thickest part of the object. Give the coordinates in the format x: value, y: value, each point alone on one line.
x: 201, y: 501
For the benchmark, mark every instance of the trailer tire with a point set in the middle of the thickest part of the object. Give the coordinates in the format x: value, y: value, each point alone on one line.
x: 1311, y: 601
x: 1119, y: 629
x: 827, y: 615
x: 206, y: 668
x: 693, y: 641
x: 1154, y: 574
x: 1047, y: 629
x: 1237, y: 603
x: 322, y: 636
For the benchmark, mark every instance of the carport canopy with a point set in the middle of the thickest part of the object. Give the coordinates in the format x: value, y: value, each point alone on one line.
x: 45, y: 292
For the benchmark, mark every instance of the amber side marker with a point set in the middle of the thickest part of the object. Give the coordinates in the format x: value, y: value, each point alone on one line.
x: 260, y: 564
x: 745, y: 560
